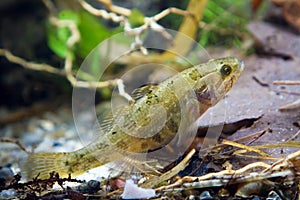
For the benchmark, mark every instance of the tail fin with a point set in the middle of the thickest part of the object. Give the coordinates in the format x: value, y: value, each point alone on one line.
x: 43, y: 164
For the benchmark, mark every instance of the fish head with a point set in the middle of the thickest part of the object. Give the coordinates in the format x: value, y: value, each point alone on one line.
x: 218, y: 77
x: 229, y: 69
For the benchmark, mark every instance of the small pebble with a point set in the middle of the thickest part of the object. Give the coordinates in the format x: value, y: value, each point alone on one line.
x: 8, y: 193
x: 90, y: 187
x: 6, y: 171
x: 223, y: 193
x: 6, y: 174
x: 57, y: 144
x: 132, y: 191
x: 273, y: 196
x: 205, y: 195
x: 93, y: 184
x: 47, y: 125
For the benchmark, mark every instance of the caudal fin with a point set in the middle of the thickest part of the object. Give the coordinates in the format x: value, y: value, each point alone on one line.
x: 43, y: 164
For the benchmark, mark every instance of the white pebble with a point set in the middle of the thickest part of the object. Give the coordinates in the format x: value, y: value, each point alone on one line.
x: 132, y: 191
x: 8, y: 193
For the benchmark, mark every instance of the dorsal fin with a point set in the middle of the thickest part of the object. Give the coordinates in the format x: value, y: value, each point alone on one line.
x: 142, y: 91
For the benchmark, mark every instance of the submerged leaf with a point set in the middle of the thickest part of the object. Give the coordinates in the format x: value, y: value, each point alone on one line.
x: 58, y: 36
x: 136, y: 18
x: 91, y: 30
x: 57, y: 40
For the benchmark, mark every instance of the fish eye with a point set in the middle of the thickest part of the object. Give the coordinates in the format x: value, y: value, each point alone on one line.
x: 225, y: 70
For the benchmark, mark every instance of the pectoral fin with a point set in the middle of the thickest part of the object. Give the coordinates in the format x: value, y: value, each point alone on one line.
x: 142, y: 91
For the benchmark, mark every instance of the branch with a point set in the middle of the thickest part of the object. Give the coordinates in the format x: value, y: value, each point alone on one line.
x: 188, y: 28
x: 102, y: 13
x: 169, y: 174
x: 14, y: 141
x: 286, y: 82
x: 50, y: 69
x: 118, y: 15
x: 116, y: 9
x: 149, y: 22
x: 30, y: 65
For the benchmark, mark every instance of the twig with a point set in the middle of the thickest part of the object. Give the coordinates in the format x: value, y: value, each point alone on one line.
x: 116, y: 9
x: 169, y: 174
x: 149, y: 22
x: 291, y: 106
x: 245, y: 147
x: 290, y: 144
x: 286, y: 82
x: 50, y: 69
x: 263, y: 84
x: 30, y: 65
x: 283, y: 163
x: 253, y: 137
x: 102, y: 13
x: 211, y: 177
x: 121, y: 88
x: 14, y: 141
x: 294, y: 136
x: 229, y: 179
x: 242, y: 154
x: 39, y: 185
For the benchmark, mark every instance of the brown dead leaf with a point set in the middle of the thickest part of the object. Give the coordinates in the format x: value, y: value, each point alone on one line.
x: 290, y: 11
x: 275, y: 41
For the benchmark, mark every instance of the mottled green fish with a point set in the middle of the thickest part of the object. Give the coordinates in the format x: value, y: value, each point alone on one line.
x: 149, y: 123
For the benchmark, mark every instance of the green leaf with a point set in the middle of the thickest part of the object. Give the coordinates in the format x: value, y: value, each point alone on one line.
x: 92, y: 32
x: 136, y: 18
x: 69, y: 15
x: 204, y: 38
x: 57, y: 37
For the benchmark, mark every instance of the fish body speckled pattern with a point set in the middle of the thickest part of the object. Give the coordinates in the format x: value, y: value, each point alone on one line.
x: 149, y: 123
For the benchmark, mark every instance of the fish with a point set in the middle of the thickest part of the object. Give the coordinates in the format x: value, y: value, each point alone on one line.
x: 159, y: 112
